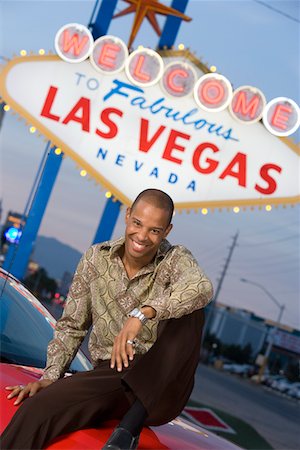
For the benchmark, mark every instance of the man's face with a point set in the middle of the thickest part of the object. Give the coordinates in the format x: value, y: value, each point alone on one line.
x: 146, y: 227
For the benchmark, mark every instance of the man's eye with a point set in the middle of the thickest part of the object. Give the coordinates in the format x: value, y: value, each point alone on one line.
x: 155, y: 231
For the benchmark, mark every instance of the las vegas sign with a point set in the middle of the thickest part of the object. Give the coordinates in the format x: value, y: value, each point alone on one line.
x: 150, y: 120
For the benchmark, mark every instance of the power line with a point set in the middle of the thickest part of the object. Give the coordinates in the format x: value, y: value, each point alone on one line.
x: 274, y: 259
x: 294, y: 236
x: 266, y: 271
x: 278, y: 11
x: 269, y: 230
x: 219, y: 286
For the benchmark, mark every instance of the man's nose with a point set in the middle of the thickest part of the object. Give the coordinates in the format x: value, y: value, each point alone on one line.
x: 142, y: 235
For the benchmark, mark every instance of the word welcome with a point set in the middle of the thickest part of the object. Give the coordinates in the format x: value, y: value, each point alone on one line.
x: 145, y: 67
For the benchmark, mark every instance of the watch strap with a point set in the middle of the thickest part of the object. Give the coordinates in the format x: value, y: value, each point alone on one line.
x: 139, y: 315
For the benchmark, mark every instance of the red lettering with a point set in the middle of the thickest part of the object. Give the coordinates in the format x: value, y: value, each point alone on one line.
x: 83, y: 104
x: 48, y: 104
x: 212, y: 92
x: 145, y: 143
x: 108, y: 55
x: 244, y: 107
x: 172, y: 145
x: 105, y: 118
x: 264, y: 173
x: 73, y: 42
x: 138, y: 69
x: 212, y: 164
x: 240, y: 174
x: 281, y: 116
x: 171, y: 79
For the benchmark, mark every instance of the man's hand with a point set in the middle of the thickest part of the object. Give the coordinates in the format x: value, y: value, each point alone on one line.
x: 121, y: 349
x: 22, y: 392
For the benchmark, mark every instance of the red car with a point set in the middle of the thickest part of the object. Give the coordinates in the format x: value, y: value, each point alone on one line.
x: 26, y: 328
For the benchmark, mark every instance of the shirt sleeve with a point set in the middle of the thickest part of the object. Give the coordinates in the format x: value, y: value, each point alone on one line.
x: 72, y: 327
x: 181, y: 286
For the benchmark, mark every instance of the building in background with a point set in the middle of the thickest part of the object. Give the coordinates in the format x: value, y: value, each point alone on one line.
x: 234, y: 326
x: 65, y: 283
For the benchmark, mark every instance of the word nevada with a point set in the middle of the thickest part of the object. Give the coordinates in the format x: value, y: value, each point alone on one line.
x: 145, y: 67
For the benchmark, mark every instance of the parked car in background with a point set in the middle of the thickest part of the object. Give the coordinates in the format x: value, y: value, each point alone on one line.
x: 272, y: 378
x: 239, y: 369
x: 283, y: 385
x: 26, y: 328
x: 294, y: 391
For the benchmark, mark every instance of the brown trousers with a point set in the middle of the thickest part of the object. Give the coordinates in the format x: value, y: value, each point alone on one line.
x: 162, y: 380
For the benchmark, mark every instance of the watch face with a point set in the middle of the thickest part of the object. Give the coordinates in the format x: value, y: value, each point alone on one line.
x: 139, y: 315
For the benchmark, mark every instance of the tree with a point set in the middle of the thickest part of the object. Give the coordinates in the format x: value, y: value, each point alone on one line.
x: 236, y: 353
x: 39, y: 283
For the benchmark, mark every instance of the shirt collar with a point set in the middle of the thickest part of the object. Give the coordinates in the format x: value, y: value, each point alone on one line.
x: 164, y: 247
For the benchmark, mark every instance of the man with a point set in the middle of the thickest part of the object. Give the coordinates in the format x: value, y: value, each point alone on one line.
x: 143, y: 299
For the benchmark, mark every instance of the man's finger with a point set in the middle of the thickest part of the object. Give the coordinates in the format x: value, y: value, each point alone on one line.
x: 22, y: 394
x: 113, y: 358
x: 34, y: 389
x: 123, y: 353
x: 114, y: 353
x: 119, y: 362
x: 15, y: 390
x: 129, y: 348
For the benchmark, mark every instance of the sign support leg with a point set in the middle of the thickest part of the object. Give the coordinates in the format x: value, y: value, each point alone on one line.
x: 18, y: 255
x: 111, y: 211
x: 108, y: 221
x: 171, y: 28
x: 99, y: 28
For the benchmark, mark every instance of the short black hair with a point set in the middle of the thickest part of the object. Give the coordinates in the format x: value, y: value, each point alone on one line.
x: 159, y: 199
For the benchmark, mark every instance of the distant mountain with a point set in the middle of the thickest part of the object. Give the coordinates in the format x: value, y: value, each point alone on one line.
x: 55, y: 257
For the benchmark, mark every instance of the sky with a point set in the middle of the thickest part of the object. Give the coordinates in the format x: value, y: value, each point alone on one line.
x: 251, y: 42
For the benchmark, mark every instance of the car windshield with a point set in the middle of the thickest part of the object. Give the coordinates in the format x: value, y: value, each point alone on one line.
x: 26, y: 328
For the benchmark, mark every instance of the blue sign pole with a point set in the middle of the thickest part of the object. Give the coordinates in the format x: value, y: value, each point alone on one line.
x: 99, y: 27
x: 108, y: 221
x: 170, y: 30
x: 111, y: 212
x: 18, y: 255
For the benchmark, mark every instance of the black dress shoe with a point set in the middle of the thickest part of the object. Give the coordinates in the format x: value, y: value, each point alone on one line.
x: 121, y: 439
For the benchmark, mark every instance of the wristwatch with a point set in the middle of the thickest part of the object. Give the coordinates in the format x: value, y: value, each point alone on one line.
x: 139, y: 315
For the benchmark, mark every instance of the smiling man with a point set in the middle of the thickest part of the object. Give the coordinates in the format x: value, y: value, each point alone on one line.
x: 143, y: 300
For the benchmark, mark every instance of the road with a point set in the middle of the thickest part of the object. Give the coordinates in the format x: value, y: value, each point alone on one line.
x: 276, y: 418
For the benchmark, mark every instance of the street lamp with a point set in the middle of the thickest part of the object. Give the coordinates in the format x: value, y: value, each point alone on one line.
x: 272, y: 332
x: 281, y: 307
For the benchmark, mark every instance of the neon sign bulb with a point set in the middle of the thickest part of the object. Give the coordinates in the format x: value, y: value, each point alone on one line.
x: 70, y: 42
x: 170, y: 79
x: 138, y: 69
x: 217, y: 87
x: 108, y: 55
x: 281, y: 116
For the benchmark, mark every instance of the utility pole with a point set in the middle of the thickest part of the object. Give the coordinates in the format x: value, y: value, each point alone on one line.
x: 226, y: 265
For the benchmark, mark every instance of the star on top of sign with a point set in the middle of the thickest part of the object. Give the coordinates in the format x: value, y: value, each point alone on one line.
x: 148, y: 9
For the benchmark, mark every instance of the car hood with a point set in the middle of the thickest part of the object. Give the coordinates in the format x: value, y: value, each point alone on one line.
x: 176, y: 435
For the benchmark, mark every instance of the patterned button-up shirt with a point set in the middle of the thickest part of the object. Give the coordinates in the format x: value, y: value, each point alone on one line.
x: 102, y: 295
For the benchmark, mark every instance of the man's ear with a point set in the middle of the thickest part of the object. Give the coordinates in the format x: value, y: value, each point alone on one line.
x: 127, y: 215
x: 169, y: 228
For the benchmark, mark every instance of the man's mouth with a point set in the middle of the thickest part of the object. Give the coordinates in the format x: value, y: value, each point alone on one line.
x: 137, y: 246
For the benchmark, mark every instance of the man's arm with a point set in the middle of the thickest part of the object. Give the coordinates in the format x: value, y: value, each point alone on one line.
x: 69, y: 333
x: 181, y: 289
x: 72, y: 327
